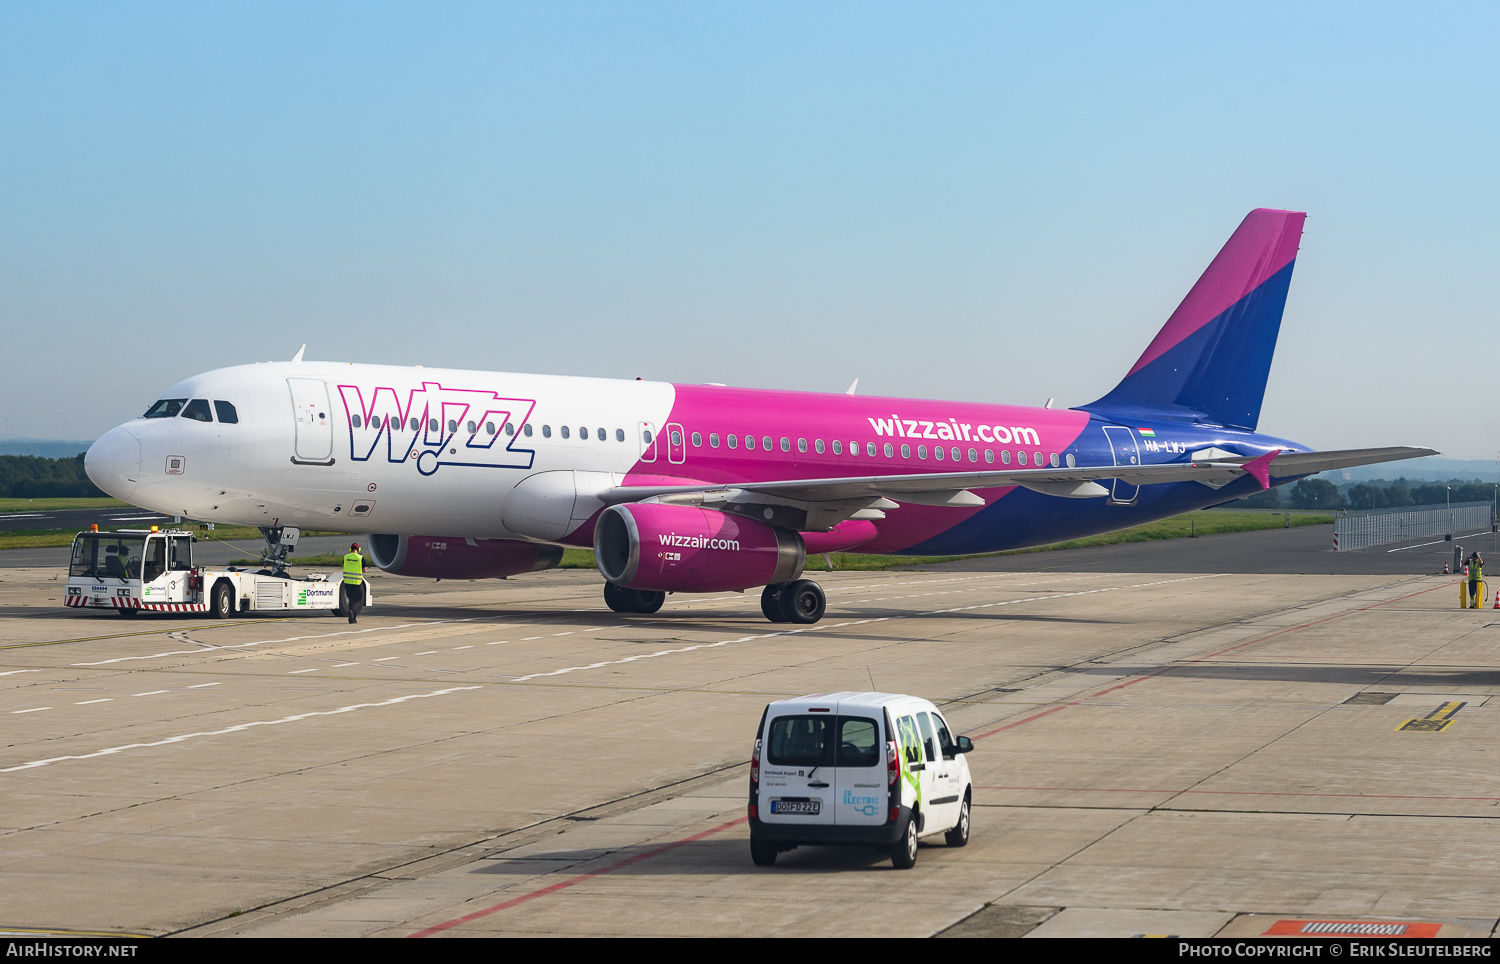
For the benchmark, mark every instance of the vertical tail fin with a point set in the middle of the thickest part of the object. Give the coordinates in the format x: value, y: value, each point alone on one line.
x: 1211, y: 359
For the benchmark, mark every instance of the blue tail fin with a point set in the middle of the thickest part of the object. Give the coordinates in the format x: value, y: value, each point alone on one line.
x: 1210, y: 361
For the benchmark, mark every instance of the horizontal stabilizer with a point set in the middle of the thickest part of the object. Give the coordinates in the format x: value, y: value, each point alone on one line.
x: 1311, y: 463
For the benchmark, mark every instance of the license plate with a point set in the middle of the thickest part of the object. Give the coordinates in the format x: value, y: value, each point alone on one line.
x: 809, y: 807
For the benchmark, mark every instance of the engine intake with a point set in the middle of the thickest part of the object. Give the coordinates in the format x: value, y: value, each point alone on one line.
x: 679, y: 548
x: 453, y: 557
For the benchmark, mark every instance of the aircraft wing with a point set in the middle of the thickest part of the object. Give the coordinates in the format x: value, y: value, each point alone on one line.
x: 951, y: 488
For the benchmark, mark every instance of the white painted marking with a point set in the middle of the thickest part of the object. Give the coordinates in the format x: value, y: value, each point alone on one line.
x: 199, y: 686
x: 427, y: 652
x: 34, y: 709
x: 12, y: 672
x: 151, y: 693
x: 342, y: 665
x: 312, y: 669
x: 237, y: 728
x: 88, y: 702
x: 384, y: 658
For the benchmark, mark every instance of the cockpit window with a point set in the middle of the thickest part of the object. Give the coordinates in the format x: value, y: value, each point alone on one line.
x: 227, y: 414
x: 197, y: 410
x: 165, y: 408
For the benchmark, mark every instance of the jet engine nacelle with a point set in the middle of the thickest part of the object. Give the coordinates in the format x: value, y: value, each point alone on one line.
x: 680, y: 548
x: 454, y: 557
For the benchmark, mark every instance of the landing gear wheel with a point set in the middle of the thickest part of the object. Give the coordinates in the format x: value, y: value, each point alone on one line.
x: 770, y: 602
x: 641, y: 601
x: 904, y: 851
x: 648, y: 601
x: 223, y: 601
x: 803, y: 602
x: 614, y: 598
x: 762, y: 852
x: 959, y: 835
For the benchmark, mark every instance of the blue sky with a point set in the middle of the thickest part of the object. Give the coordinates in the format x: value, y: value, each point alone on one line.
x: 973, y: 201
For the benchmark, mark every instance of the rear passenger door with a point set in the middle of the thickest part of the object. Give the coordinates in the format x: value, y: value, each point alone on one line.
x: 942, y: 807
x: 917, y: 768
x: 859, y: 772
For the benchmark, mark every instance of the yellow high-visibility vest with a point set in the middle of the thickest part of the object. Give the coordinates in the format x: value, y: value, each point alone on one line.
x: 354, y: 569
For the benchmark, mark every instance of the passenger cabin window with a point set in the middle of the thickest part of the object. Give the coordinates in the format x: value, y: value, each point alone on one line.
x: 526, y: 430
x: 165, y: 408
x: 227, y: 414
x: 564, y: 431
x: 619, y: 435
x: 546, y: 431
x: 601, y: 436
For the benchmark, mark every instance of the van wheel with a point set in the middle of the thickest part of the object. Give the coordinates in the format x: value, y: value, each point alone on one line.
x: 223, y: 603
x: 763, y: 852
x: 770, y: 602
x: 959, y: 835
x: 803, y: 602
x: 904, y: 851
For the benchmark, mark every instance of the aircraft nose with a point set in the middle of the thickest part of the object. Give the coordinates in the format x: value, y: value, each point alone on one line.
x: 113, y: 463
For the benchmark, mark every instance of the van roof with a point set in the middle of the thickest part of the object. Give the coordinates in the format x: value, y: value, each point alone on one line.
x: 848, y: 699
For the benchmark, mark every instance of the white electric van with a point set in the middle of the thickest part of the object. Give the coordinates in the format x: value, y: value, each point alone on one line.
x: 857, y: 768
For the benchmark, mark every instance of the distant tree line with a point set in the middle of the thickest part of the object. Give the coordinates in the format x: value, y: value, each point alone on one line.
x: 1378, y: 494
x: 34, y: 477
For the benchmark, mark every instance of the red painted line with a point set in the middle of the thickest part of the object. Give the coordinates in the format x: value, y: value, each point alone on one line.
x: 1242, y: 793
x: 575, y: 881
x: 1199, y: 659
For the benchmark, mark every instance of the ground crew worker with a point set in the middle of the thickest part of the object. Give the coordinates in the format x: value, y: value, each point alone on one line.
x: 1476, y: 580
x: 354, y: 581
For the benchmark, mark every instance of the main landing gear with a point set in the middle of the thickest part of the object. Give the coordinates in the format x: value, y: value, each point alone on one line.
x: 793, y: 602
x: 640, y: 601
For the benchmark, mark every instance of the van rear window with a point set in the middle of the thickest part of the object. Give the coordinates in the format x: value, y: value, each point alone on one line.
x: 807, y: 741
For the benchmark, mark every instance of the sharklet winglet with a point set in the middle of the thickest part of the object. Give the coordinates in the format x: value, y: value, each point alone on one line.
x: 1260, y: 467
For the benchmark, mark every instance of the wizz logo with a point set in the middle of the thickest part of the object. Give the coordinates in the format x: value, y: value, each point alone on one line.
x: 437, y: 426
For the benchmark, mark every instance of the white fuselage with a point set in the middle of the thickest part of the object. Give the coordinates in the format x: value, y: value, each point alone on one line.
x: 364, y: 448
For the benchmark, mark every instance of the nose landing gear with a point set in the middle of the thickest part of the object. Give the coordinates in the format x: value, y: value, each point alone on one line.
x: 793, y: 602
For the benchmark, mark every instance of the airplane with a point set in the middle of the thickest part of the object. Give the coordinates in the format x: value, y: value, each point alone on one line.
x: 708, y: 488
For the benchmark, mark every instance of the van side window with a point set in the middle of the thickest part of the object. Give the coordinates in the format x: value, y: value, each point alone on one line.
x: 911, y: 740
x: 945, y: 740
x: 929, y: 739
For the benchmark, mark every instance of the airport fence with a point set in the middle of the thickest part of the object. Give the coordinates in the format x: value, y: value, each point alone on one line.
x: 1374, y: 527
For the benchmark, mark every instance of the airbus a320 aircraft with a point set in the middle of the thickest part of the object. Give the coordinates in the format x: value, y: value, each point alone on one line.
x: 701, y: 488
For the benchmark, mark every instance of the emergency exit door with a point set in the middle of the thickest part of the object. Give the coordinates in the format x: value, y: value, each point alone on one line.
x: 1127, y: 451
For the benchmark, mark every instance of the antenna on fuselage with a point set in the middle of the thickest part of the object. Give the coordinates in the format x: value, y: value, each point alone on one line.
x: 852, y: 386
x: 1049, y: 402
x: 298, y: 356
